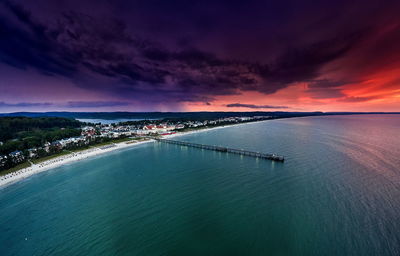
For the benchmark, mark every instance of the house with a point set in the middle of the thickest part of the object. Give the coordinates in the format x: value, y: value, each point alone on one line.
x: 32, y: 152
x: 149, y: 127
x: 244, y: 118
x: 57, y: 145
x: 142, y: 132
x: 161, y: 128
x: 170, y: 127
x: 3, y: 160
x: 115, y: 134
x: 17, y: 156
x: 88, y: 131
x: 46, y: 147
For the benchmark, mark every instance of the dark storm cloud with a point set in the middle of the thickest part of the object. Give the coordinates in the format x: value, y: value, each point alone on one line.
x: 325, y: 83
x: 70, y: 104
x: 95, y: 104
x: 24, y: 44
x: 166, y: 51
x: 303, y: 64
x: 325, y: 89
x: 325, y: 93
x: 239, y: 105
x: 24, y: 104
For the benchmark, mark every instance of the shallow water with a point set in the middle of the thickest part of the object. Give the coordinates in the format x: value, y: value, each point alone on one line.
x: 338, y: 193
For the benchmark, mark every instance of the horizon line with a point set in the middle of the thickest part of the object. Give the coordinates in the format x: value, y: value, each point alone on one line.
x: 316, y: 111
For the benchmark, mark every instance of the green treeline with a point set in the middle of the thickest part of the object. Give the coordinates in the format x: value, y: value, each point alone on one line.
x: 21, y: 133
x: 11, y: 126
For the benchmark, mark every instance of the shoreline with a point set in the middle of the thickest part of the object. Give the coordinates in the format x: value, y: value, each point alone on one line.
x: 21, y: 174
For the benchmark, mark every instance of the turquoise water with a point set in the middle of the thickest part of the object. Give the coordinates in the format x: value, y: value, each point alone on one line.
x: 338, y: 193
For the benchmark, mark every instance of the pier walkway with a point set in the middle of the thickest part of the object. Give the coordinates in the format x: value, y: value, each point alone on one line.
x: 272, y: 157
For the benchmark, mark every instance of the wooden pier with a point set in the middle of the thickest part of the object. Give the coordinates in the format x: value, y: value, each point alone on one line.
x: 272, y: 157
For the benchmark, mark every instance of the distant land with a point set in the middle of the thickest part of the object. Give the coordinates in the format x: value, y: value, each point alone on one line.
x: 184, y: 115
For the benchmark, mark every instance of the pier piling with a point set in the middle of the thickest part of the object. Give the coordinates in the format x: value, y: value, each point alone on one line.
x: 272, y: 157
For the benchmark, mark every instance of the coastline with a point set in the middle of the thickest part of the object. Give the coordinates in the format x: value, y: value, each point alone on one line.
x: 21, y: 174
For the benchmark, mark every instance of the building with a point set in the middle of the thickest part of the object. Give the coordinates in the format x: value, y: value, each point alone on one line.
x: 17, y: 156
x: 46, y: 147
x: 149, y: 127
x: 141, y: 132
x: 3, y: 160
x: 32, y: 152
x: 57, y: 145
x: 88, y: 131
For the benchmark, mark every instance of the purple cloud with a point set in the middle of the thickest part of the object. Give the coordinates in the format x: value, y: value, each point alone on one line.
x: 95, y: 104
x: 179, y: 54
x: 25, y: 104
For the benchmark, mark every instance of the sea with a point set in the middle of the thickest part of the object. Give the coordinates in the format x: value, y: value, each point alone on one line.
x: 337, y: 193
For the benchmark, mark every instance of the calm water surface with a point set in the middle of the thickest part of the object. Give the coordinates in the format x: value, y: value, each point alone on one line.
x: 338, y: 193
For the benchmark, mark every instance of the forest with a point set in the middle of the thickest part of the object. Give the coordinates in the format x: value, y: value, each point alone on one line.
x: 21, y: 133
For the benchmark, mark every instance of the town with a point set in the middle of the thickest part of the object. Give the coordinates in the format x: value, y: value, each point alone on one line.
x: 107, y: 134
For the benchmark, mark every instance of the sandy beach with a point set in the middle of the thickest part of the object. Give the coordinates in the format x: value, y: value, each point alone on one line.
x: 65, y: 159
x: 207, y: 129
x: 91, y: 152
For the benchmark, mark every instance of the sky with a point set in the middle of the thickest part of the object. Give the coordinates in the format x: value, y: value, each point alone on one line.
x: 150, y: 55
